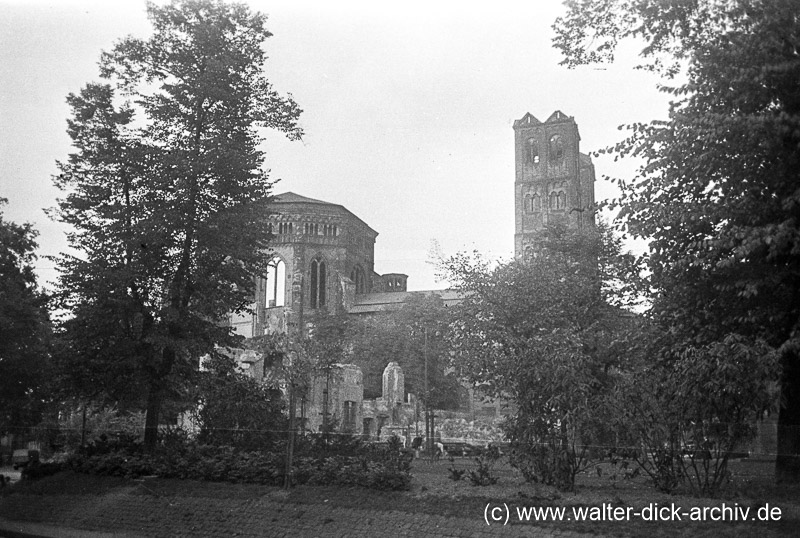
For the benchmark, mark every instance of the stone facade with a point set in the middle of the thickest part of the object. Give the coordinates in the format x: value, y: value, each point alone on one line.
x: 322, y: 261
x: 335, y: 397
x: 554, y: 182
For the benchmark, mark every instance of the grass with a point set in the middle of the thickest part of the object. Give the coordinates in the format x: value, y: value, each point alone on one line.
x: 434, y: 493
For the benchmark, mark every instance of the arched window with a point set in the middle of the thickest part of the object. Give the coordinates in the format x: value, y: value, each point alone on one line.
x: 558, y: 199
x: 528, y: 204
x: 358, y: 278
x: 556, y: 148
x: 275, y: 284
x: 536, y: 203
x: 318, y: 281
x: 532, y: 152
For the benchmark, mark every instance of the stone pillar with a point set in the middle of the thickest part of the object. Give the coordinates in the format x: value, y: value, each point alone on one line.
x: 394, y: 388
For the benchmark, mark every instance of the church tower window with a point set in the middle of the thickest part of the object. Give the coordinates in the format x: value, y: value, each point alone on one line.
x: 556, y: 148
x: 558, y: 199
x: 318, y: 280
x: 532, y: 152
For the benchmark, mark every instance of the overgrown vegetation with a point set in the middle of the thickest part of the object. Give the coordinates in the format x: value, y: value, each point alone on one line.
x: 341, y: 460
x: 716, y: 196
x: 689, y: 414
x: 539, y: 332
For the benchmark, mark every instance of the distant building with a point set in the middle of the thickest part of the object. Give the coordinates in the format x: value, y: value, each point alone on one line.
x: 323, y: 257
x: 554, y: 182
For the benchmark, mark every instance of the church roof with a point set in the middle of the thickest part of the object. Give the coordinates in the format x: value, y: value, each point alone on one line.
x: 527, y: 119
x: 373, y: 303
x: 559, y: 116
x: 294, y: 198
x: 290, y: 197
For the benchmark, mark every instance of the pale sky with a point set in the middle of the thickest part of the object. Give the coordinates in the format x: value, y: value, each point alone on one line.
x: 408, y: 112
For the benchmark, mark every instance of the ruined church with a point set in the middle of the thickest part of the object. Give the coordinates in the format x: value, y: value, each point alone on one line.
x: 323, y: 258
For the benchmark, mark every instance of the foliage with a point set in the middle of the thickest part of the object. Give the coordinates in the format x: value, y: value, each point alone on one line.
x: 234, y: 409
x: 24, y: 326
x: 417, y: 330
x: 166, y: 194
x: 482, y: 476
x: 690, y: 412
x: 351, y: 463
x: 70, y: 429
x: 36, y: 470
x: 717, y: 196
x: 455, y: 473
x: 538, y: 332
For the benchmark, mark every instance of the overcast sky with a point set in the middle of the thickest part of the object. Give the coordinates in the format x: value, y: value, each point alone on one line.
x: 408, y: 112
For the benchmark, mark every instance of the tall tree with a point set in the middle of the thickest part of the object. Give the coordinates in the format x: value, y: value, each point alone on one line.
x: 166, y: 194
x: 718, y: 195
x: 24, y: 330
x: 542, y: 333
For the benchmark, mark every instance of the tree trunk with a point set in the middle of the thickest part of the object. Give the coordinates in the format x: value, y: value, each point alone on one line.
x: 151, y: 417
x: 787, y: 463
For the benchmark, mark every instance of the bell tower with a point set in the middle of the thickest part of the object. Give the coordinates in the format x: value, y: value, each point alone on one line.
x: 554, y: 183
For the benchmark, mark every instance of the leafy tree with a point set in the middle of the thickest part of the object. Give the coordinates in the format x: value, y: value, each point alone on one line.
x: 417, y: 330
x: 717, y: 195
x: 540, y: 332
x: 234, y: 409
x: 24, y: 329
x: 166, y: 194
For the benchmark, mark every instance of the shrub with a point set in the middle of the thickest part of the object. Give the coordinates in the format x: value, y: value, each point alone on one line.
x: 384, y: 468
x: 692, y: 411
x: 36, y: 470
x: 482, y: 476
x: 237, y: 410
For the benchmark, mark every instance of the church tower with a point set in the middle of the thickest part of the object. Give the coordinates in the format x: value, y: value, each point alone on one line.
x: 554, y: 182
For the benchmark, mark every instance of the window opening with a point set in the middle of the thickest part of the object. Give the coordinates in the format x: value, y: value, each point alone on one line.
x: 318, y: 281
x: 532, y: 154
x: 275, y: 285
x: 349, y: 416
x: 556, y: 148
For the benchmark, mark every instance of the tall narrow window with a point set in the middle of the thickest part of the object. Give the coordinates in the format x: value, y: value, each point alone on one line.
x: 275, y: 285
x: 318, y: 280
x: 349, y: 416
x: 556, y: 148
x: 558, y: 199
x: 358, y: 278
x: 532, y: 152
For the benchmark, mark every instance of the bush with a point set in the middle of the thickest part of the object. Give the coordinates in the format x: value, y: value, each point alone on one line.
x: 482, y: 476
x: 36, y: 470
x: 236, y: 409
x: 692, y: 411
x: 100, y: 422
x: 177, y: 456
